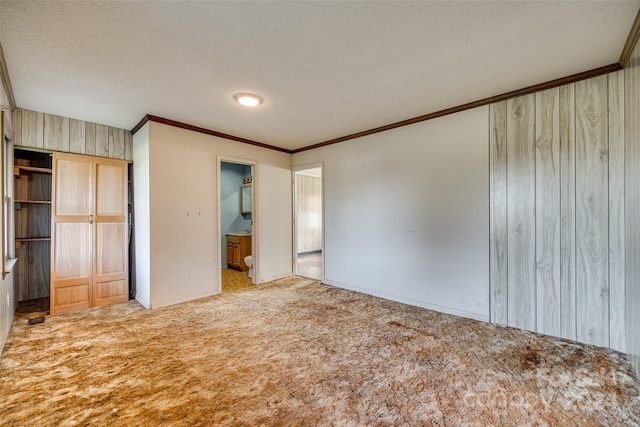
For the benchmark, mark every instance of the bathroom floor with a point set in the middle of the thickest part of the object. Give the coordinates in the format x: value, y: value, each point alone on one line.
x: 233, y: 280
x: 310, y: 265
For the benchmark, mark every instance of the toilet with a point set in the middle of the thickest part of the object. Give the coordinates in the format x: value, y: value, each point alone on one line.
x: 248, y: 260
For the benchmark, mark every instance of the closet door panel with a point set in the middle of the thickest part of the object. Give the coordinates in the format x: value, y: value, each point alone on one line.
x: 110, y: 258
x: 89, y: 248
x: 71, y: 298
x: 72, y: 249
x: 73, y: 185
x: 110, y: 197
x: 110, y: 292
x: 71, y: 254
x: 110, y: 232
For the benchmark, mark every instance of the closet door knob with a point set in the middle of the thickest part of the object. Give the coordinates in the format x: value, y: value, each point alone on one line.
x: 90, y: 219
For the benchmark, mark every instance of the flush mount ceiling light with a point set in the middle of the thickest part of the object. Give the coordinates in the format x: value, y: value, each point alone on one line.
x: 248, y: 99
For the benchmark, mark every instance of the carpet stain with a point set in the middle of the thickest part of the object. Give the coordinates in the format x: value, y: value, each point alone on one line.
x: 410, y: 328
x: 298, y: 353
x: 530, y: 359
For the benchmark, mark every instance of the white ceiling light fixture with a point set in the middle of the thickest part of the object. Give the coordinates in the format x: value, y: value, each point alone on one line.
x: 247, y: 99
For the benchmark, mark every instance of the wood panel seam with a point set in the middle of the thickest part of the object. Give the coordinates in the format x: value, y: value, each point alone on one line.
x: 567, y: 198
x: 51, y: 133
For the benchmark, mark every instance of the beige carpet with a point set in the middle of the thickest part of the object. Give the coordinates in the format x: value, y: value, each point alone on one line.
x: 296, y: 352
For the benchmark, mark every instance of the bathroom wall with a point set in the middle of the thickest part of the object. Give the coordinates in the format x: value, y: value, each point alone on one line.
x: 231, y: 220
x: 407, y: 213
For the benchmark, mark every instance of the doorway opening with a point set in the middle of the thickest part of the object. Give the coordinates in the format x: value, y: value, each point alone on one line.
x: 32, y: 209
x: 308, y: 220
x: 236, y: 226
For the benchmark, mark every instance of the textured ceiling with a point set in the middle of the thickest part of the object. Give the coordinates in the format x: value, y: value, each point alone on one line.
x: 325, y: 69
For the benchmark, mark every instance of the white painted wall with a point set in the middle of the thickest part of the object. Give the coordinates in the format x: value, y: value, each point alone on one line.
x: 407, y: 215
x: 142, y: 216
x: 182, y: 212
x: 274, y: 220
x: 184, y: 245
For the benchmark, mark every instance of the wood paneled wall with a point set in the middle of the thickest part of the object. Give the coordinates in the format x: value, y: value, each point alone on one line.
x: 632, y: 207
x: 308, y: 213
x: 556, y: 212
x: 55, y: 133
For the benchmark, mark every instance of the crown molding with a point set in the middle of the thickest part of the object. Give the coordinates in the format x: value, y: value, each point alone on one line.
x: 520, y: 92
x: 486, y: 101
x: 156, y: 119
x: 632, y: 40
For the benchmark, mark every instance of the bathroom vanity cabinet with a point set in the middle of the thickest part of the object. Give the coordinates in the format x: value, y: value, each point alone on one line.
x: 238, y: 247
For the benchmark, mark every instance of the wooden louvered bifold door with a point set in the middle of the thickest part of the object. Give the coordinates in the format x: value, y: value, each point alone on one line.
x: 89, y: 241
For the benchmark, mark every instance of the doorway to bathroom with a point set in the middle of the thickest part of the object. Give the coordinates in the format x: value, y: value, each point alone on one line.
x: 236, y: 225
x: 308, y: 222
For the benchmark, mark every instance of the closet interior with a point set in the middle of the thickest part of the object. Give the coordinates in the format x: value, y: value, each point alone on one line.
x: 32, y: 203
x: 72, y: 229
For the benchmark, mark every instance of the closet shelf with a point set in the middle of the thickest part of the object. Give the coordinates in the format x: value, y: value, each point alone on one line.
x: 31, y: 199
x: 37, y: 202
x: 18, y: 169
x: 32, y: 239
x: 20, y: 240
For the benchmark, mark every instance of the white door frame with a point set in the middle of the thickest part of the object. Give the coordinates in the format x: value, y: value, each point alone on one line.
x: 294, y: 170
x: 254, y: 216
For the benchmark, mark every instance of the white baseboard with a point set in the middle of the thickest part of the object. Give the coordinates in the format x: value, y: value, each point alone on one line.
x: 269, y: 279
x: 185, y: 299
x: 409, y: 301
